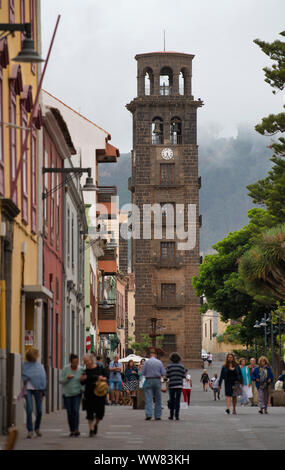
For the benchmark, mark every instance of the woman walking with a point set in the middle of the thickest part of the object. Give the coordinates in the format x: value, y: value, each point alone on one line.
x: 263, y: 378
x: 232, y: 376
x: 205, y: 379
x: 95, y: 381
x: 175, y: 373
x: 246, y: 388
x: 186, y: 388
x: 132, y: 383
x: 72, y: 388
x: 34, y: 378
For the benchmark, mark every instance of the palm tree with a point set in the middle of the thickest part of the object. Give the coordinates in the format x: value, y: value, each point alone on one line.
x: 263, y: 266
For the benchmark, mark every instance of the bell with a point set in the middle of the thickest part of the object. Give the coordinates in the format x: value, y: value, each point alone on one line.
x: 175, y: 127
x: 157, y: 129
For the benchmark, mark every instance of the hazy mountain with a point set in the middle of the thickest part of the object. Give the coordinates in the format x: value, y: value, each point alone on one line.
x: 227, y: 166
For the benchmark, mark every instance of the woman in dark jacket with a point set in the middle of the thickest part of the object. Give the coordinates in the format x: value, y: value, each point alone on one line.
x: 95, y: 406
x: 263, y: 377
x: 132, y: 376
x: 175, y: 373
x: 232, y: 376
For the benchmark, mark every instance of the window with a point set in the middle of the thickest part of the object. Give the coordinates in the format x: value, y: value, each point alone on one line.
x: 34, y: 180
x: 167, y: 208
x: 148, y: 82
x: 12, y: 11
x: 211, y: 329
x: 46, y: 178
x: 167, y: 249
x: 72, y: 241
x: 68, y: 236
x: 157, y: 131
x: 1, y: 139
x: 52, y: 206
x: 57, y: 212
x: 166, y: 81
x: 24, y: 123
x: 167, y: 173
x: 13, y: 143
x: 168, y: 291
x: 206, y: 330
x: 169, y: 344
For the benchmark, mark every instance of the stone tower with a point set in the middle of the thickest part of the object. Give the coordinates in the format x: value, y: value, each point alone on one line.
x: 165, y: 171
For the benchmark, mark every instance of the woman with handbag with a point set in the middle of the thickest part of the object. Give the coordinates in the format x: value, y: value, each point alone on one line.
x: 232, y: 376
x: 95, y: 380
x: 263, y: 377
x: 34, y: 378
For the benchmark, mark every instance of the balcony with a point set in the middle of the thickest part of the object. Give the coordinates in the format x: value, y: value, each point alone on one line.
x: 175, y: 139
x: 107, y: 310
x: 105, y: 193
x: 157, y: 139
x: 175, y: 261
x: 169, y: 302
x: 109, y: 154
x: 109, y: 254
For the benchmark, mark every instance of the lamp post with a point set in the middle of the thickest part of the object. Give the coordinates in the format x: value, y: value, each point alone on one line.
x: 28, y: 53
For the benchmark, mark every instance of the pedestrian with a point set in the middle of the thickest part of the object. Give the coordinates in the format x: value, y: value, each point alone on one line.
x: 34, y: 379
x: 72, y: 391
x: 281, y: 378
x: 132, y: 380
x: 215, y: 387
x: 263, y: 377
x: 187, y: 388
x: 153, y: 370
x: 246, y: 387
x: 205, y: 380
x: 95, y: 381
x: 232, y: 376
x: 175, y: 373
x: 209, y: 359
x: 141, y: 376
x: 99, y: 359
x: 107, y: 368
x: 252, y: 366
x: 115, y: 380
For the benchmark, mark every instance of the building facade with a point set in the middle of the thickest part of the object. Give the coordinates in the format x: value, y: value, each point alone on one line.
x: 165, y: 171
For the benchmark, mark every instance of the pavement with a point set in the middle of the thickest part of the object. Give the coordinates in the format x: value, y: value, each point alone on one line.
x: 203, y: 426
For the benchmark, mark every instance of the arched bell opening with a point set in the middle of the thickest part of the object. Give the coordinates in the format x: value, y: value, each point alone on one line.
x: 176, y: 131
x: 148, y: 82
x: 166, y: 81
x: 157, y: 131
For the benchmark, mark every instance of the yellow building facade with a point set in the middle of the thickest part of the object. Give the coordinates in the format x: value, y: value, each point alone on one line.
x: 19, y: 199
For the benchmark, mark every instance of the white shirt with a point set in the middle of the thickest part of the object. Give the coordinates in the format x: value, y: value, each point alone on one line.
x: 186, y: 384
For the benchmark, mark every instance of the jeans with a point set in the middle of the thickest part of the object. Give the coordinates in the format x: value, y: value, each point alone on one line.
x: 72, y: 405
x: 152, y: 389
x: 174, y: 399
x: 29, y: 409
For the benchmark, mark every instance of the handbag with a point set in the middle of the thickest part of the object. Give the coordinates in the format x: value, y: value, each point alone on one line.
x: 101, y: 388
x: 237, y: 389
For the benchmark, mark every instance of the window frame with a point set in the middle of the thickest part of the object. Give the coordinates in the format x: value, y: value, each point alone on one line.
x: 24, y: 172
x: 165, y: 171
x: 13, y: 146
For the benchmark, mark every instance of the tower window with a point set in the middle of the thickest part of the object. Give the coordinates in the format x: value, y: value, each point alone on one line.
x: 183, y: 81
x: 148, y: 82
x: 166, y: 81
x: 157, y: 131
x: 176, y: 131
x: 167, y: 249
x: 168, y: 291
x: 167, y: 173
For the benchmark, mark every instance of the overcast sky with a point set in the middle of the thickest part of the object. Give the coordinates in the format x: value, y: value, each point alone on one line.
x: 92, y: 66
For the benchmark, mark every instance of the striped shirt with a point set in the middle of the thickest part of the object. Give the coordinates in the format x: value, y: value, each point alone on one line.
x: 175, y: 374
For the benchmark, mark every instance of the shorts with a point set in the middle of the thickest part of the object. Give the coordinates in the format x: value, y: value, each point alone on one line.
x: 115, y: 385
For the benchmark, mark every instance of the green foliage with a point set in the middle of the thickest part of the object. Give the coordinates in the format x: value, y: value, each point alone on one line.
x: 276, y: 52
x: 145, y: 343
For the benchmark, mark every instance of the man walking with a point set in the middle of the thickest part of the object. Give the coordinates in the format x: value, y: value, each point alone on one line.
x: 115, y: 380
x: 153, y: 370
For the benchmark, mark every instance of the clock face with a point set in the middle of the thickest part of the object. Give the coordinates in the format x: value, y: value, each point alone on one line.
x: 167, y: 153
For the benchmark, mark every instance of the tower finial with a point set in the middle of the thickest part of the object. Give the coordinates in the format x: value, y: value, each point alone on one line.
x: 164, y: 40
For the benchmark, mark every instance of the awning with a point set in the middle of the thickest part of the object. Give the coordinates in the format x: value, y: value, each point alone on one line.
x: 16, y: 77
x: 27, y: 97
x: 4, y: 53
x: 37, y: 292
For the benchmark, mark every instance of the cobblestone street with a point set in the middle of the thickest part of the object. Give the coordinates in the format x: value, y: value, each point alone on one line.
x: 202, y: 426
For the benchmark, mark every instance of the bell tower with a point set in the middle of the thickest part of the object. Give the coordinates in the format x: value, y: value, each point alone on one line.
x: 165, y: 173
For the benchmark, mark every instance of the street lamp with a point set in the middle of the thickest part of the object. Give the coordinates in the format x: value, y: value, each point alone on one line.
x: 28, y: 53
x: 89, y: 185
